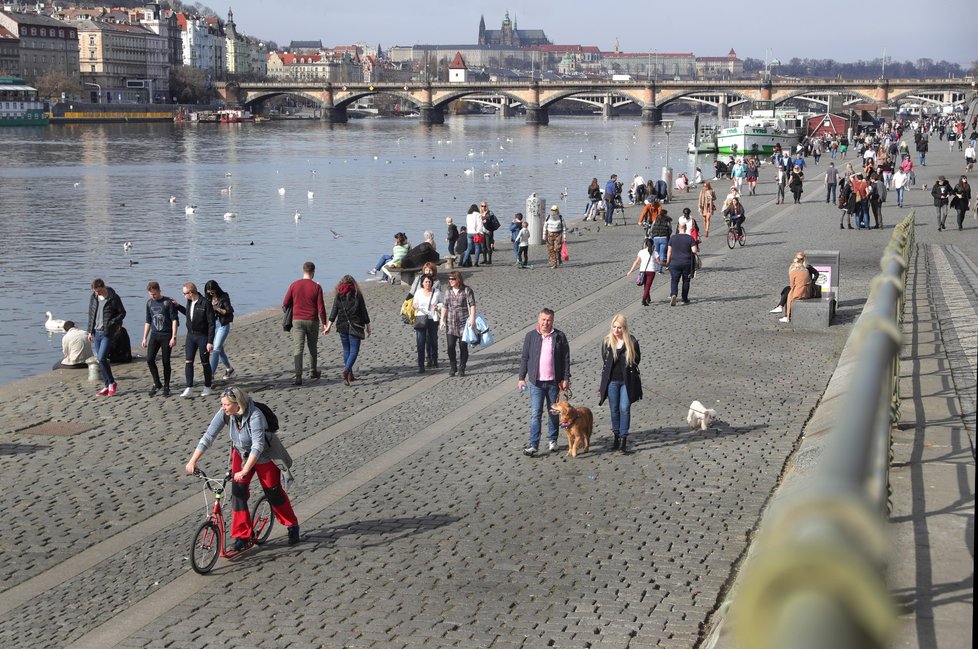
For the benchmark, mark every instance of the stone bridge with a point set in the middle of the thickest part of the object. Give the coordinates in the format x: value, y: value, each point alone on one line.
x: 536, y: 97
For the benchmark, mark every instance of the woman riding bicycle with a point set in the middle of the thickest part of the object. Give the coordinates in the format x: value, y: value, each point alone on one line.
x: 247, y: 427
x: 735, y: 215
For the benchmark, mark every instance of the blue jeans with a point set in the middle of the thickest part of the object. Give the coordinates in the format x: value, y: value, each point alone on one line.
x: 862, y: 214
x: 351, y: 349
x: 542, y: 393
x: 472, y: 248
x: 660, y: 245
x: 427, y: 342
x: 923, y: 159
x: 899, y: 193
x: 516, y: 251
x: 383, y: 260
x: 100, y: 347
x: 218, y: 355
x: 621, y: 408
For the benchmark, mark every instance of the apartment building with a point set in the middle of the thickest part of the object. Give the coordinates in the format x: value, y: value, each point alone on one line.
x: 45, y: 44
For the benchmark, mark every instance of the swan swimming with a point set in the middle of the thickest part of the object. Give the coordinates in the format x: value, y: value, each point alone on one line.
x: 281, y: 191
x: 173, y: 199
x: 310, y: 194
x: 190, y: 209
x: 53, y: 325
x: 127, y: 246
x: 229, y: 215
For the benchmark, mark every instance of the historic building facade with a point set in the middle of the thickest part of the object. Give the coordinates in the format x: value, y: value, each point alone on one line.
x: 510, y: 35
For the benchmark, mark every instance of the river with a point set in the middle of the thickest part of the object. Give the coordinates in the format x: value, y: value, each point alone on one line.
x: 71, y: 196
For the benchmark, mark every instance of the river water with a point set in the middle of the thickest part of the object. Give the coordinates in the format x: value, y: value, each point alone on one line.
x: 71, y: 196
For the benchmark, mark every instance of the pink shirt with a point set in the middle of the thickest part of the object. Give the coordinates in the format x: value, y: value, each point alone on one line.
x: 546, y: 370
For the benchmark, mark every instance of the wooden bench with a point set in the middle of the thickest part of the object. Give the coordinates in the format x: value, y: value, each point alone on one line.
x: 813, y: 313
x: 406, y: 275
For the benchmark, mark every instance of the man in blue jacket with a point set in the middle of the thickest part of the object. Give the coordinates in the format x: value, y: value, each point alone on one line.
x: 545, y: 367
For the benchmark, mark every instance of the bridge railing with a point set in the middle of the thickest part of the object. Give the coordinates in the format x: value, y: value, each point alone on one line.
x: 816, y: 579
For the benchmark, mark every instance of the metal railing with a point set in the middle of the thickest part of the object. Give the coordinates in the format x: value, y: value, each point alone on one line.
x: 817, y: 577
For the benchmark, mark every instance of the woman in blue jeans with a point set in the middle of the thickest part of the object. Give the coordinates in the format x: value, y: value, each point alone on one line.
x: 349, y: 312
x: 621, y: 383
x: 224, y: 313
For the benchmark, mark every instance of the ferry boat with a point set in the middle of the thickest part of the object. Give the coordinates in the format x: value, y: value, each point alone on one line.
x: 704, y: 137
x: 759, y: 134
x: 19, y: 104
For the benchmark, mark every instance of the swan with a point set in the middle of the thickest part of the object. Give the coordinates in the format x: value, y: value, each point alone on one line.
x: 281, y: 191
x: 190, y: 209
x: 173, y: 199
x: 310, y: 194
x: 226, y: 190
x: 127, y: 246
x: 229, y: 215
x: 53, y: 325
x: 469, y: 172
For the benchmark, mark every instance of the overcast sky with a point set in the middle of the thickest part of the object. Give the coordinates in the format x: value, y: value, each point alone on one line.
x: 846, y: 30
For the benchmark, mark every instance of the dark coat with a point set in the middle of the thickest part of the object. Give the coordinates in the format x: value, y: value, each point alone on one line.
x: 113, y: 313
x: 633, y: 378
x: 203, y: 320
x: 530, y: 358
x: 347, y: 309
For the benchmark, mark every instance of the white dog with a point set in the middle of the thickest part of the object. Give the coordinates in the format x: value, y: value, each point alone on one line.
x: 700, y: 416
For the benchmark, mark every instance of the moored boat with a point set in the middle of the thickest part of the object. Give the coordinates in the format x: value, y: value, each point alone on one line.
x: 704, y: 137
x: 754, y: 135
x: 19, y: 104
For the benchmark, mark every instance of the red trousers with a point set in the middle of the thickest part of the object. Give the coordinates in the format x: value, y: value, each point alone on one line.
x: 270, y: 479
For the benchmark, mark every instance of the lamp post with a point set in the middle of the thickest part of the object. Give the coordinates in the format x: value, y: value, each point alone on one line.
x: 667, y: 170
x: 99, y: 91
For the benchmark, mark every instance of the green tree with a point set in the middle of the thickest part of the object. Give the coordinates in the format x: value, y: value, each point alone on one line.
x: 189, y: 85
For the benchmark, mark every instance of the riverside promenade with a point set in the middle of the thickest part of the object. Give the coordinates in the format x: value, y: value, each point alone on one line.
x: 424, y: 526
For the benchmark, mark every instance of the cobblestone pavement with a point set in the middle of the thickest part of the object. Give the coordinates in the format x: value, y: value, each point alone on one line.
x: 423, y: 524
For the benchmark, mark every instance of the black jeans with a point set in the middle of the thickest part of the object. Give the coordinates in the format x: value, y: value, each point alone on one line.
x: 680, y: 272
x: 159, y: 342
x: 197, y: 343
x: 463, y: 355
x: 427, y: 342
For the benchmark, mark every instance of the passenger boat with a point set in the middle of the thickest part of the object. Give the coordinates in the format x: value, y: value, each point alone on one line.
x: 19, y: 104
x: 759, y: 134
x: 704, y: 138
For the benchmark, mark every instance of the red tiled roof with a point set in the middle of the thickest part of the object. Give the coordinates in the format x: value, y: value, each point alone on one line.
x: 4, y: 33
x: 458, y: 63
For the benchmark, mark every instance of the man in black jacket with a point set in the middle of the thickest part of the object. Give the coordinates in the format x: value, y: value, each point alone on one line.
x: 941, y: 191
x: 105, y: 316
x: 200, y: 337
x: 545, y: 367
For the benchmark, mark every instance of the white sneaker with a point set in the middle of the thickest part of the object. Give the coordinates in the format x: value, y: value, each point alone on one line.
x: 186, y: 394
x: 784, y: 319
x: 777, y: 309
x: 206, y: 392
x: 551, y: 446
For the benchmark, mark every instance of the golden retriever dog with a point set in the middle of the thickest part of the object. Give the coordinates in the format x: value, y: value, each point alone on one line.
x: 577, y: 422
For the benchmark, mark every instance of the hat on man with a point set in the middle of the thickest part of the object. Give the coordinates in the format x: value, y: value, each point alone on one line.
x: 554, y: 208
x: 941, y: 178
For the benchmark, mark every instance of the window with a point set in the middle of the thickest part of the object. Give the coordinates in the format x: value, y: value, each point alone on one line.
x: 33, y: 31
x: 91, y: 41
x: 61, y: 33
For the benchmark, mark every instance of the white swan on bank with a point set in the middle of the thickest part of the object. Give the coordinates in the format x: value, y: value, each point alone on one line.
x: 52, y: 324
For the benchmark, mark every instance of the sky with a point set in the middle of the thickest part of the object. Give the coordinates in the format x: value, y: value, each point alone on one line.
x: 820, y: 29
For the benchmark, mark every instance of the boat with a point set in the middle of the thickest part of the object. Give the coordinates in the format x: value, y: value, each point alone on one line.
x: 223, y: 116
x: 704, y: 137
x: 19, y: 104
x: 759, y: 135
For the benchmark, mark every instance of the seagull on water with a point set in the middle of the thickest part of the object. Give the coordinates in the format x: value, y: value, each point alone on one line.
x: 226, y: 190
x: 173, y: 199
x: 336, y: 235
x: 229, y: 215
x: 127, y: 246
x: 281, y: 191
x: 190, y: 209
x: 77, y: 184
x: 310, y: 194
x: 298, y: 216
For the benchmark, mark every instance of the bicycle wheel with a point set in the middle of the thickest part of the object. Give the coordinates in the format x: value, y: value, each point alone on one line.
x: 731, y: 238
x: 206, y: 548
x: 262, y: 520
x: 742, y: 239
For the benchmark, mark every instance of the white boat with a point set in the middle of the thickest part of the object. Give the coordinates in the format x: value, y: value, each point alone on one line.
x: 704, y: 138
x: 759, y: 135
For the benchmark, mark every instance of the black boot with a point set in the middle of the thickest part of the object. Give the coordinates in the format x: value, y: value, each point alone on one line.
x: 624, y: 445
x: 461, y: 369
x: 615, y: 444
x: 454, y: 370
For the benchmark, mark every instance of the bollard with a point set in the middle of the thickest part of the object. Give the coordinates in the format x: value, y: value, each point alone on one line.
x: 93, y: 372
x: 534, y: 216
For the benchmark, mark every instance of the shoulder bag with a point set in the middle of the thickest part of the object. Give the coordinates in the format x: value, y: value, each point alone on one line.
x: 640, y: 277
x: 421, y: 319
x: 356, y: 329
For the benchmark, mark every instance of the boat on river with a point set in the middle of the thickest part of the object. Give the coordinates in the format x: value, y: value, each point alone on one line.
x: 756, y: 134
x: 704, y: 137
x: 222, y: 116
x: 19, y: 104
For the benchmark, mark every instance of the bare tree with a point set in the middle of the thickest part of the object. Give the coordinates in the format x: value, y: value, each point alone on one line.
x: 55, y: 83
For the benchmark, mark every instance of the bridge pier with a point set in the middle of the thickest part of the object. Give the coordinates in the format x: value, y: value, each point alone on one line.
x: 607, y: 110
x: 334, y: 114
x: 431, y: 115
x: 651, y: 116
x: 504, y: 110
x: 723, y: 109
x: 537, y: 116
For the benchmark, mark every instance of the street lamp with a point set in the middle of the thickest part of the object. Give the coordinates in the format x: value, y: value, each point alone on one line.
x: 99, y: 91
x: 667, y: 170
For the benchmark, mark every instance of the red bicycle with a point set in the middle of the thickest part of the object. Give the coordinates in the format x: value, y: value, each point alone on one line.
x: 209, y: 540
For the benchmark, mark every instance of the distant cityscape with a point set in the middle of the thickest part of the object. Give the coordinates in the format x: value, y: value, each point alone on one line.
x: 163, y: 53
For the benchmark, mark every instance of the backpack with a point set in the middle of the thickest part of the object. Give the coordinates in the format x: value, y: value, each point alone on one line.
x: 492, y: 223
x: 271, y: 420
